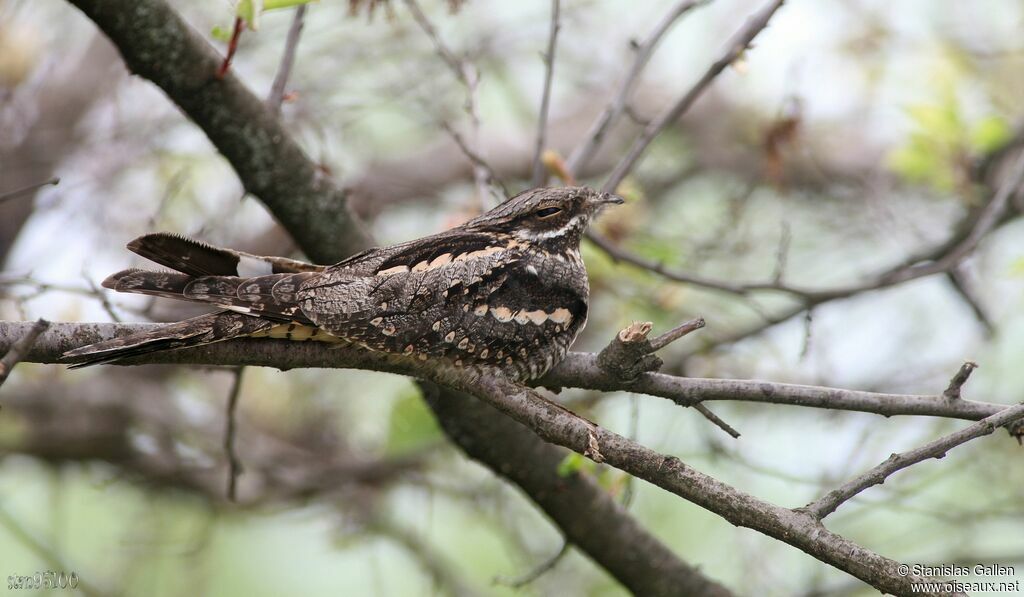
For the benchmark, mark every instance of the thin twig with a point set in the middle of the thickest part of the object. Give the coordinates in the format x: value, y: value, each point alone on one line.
x: 16, y: 193
x: 782, y: 255
x: 958, y: 281
x: 676, y: 333
x: 276, y: 97
x: 945, y: 257
x: 828, y: 503
x: 19, y: 350
x: 102, y: 298
x: 234, y: 464
x: 475, y: 158
x: 619, y: 104
x: 988, y: 218
x: 739, y: 44
x: 957, y: 382
x: 470, y: 78
x: 540, y: 174
x: 538, y: 571
x: 236, y: 33
x: 456, y: 65
x: 716, y: 420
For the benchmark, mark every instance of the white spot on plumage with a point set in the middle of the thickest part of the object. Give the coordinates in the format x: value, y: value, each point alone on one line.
x: 441, y: 260
x: 249, y: 267
x: 398, y: 269
x: 538, y: 317
x: 561, y: 316
x: 502, y: 314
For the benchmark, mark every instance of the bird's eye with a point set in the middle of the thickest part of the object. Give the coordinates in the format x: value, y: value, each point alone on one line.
x: 547, y: 212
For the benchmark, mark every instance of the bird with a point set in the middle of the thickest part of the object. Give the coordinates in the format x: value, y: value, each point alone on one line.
x: 505, y: 291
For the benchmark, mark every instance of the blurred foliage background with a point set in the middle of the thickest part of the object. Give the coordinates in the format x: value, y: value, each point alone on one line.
x: 855, y: 133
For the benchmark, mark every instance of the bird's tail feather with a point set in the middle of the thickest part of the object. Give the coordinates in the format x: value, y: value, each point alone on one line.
x: 205, y: 329
x: 257, y: 296
x: 196, y: 258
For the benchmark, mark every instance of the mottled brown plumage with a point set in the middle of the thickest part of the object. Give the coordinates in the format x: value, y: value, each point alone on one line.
x: 506, y: 290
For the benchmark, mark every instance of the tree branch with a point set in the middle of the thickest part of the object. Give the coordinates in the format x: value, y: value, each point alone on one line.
x: 19, y: 349
x: 739, y: 44
x: 573, y: 503
x: 578, y: 369
x: 547, y: 419
x: 157, y: 44
x: 539, y: 171
x: 596, y: 135
x: 277, y: 89
x: 828, y: 503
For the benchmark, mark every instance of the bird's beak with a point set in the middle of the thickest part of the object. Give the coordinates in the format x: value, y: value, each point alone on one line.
x: 606, y: 199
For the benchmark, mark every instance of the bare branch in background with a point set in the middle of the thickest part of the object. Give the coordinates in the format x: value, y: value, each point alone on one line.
x: 17, y: 193
x: 959, y: 282
x: 897, y: 462
x: 629, y: 552
x: 426, y: 555
x: 301, y: 195
x: 737, y: 45
x: 539, y: 171
x: 538, y: 571
x: 231, y: 411
x: 277, y: 90
x: 598, y: 131
x: 469, y: 77
x: 475, y: 158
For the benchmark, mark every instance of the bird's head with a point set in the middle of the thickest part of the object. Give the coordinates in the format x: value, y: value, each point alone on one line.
x: 553, y: 218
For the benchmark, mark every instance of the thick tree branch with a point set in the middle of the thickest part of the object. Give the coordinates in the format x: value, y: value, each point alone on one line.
x: 162, y: 47
x: 157, y: 44
x: 548, y: 420
x: 576, y: 370
x: 634, y: 557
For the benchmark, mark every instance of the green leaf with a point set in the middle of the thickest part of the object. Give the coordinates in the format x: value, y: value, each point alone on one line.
x: 249, y: 11
x: 411, y: 426
x: 220, y: 33
x: 573, y: 464
x: 990, y: 134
